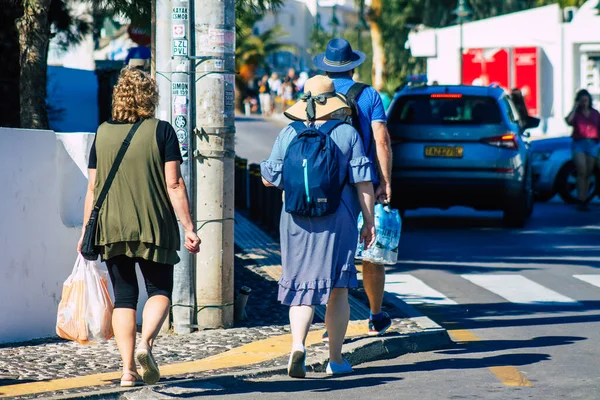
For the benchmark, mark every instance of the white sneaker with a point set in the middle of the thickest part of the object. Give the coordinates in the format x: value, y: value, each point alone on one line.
x: 296, y: 364
x: 339, y: 369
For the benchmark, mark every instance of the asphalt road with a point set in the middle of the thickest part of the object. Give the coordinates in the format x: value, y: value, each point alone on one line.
x: 522, y: 306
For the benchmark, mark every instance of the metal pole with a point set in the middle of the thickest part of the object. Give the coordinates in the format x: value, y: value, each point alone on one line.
x: 179, y: 70
x: 213, y: 160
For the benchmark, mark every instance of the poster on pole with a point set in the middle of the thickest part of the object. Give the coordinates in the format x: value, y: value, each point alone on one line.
x: 526, y: 66
x: 482, y: 67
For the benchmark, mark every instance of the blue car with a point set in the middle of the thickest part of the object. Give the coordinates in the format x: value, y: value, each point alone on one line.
x: 554, y: 171
x: 461, y: 146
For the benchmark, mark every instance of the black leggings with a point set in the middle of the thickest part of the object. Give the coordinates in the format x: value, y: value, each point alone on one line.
x: 158, y: 278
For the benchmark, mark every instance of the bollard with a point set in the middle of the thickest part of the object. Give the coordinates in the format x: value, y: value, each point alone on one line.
x: 239, y: 307
x: 241, y: 179
x: 254, y: 188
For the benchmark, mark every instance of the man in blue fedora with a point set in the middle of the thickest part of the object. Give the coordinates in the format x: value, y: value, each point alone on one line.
x: 339, y: 62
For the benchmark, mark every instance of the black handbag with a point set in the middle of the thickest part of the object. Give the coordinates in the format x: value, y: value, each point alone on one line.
x: 89, y: 250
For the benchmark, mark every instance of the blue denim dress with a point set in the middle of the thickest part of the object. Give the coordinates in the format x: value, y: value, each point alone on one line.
x: 318, y: 253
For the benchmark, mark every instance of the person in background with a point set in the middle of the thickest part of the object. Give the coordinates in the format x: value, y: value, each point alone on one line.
x: 288, y: 91
x: 317, y: 253
x: 585, y: 121
x: 385, y: 100
x: 301, y: 82
x: 264, y: 96
x: 275, y: 86
x: 519, y: 101
x: 138, y: 220
x: 339, y: 62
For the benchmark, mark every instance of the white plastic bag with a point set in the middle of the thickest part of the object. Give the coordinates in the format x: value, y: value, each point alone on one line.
x: 388, y: 227
x: 85, y: 309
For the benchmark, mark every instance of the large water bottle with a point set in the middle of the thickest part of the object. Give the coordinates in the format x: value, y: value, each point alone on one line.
x: 388, y: 225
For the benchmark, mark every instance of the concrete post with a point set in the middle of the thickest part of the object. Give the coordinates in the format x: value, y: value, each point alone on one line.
x: 213, y: 164
x: 180, y: 35
x: 160, y: 62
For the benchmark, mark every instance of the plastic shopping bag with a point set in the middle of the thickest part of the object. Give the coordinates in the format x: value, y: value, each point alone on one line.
x: 85, y: 309
x: 388, y: 226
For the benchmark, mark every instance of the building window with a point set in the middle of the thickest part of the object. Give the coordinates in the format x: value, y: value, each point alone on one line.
x: 292, y: 20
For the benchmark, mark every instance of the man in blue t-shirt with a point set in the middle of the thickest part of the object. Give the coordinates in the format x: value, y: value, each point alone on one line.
x: 339, y: 62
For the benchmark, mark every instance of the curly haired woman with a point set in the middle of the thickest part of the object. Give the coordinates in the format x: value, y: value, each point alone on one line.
x: 138, y: 220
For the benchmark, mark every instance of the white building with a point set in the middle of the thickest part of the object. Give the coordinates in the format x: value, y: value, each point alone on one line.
x: 298, y: 17
x: 566, y: 56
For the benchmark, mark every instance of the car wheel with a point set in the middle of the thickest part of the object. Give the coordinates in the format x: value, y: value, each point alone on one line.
x: 518, y: 211
x: 543, y: 198
x: 566, y: 184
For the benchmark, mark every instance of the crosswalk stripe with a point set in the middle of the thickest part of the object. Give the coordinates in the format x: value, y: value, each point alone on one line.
x: 518, y: 289
x: 414, y: 291
x: 592, y: 279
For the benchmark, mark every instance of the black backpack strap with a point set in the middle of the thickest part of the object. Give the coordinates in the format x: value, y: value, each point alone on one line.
x: 116, y: 164
x: 351, y: 99
x: 355, y: 91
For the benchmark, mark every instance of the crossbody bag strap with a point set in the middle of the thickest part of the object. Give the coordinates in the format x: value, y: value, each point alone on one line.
x: 116, y: 164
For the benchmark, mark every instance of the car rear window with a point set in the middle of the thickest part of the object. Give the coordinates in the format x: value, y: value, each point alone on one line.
x: 442, y: 109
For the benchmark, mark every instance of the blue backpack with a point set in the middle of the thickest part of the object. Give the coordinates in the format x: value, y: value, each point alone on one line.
x: 311, y: 173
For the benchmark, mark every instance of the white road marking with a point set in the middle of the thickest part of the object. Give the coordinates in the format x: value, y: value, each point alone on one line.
x: 591, y: 279
x: 518, y: 289
x: 414, y: 291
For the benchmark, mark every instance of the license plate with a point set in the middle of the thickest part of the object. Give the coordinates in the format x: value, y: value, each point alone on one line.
x: 444, y: 151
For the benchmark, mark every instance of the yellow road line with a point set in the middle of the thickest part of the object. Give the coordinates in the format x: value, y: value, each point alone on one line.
x: 508, y: 375
x: 249, y: 354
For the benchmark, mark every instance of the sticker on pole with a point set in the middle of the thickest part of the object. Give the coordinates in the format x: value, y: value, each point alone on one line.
x: 179, y: 88
x: 178, y: 31
x: 180, y: 13
x: 181, y: 136
x: 180, y: 105
x: 180, y: 121
x: 180, y: 47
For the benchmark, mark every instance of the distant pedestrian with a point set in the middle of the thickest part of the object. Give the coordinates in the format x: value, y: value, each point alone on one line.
x: 339, y: 62
x: 318, y: 252
x: 585, y: 121
x: 264, y: 96
x: 288, y: 91
x: 138, y: 220
x: 519, y: 101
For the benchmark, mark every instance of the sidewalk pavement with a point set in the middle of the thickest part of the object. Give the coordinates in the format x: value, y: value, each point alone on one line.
x: 57, y: 369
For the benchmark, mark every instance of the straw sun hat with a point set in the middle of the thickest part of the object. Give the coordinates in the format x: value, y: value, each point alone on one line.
x: 318, y: 102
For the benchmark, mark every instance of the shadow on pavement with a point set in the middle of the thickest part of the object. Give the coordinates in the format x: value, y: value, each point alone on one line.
x: 486, y: 346
x: 309, y: 384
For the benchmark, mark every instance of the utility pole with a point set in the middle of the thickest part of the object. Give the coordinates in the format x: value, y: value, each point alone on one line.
x: 213, y: 159
x: 171, y: 68
x: 181, y: 66
x: 160, y: 62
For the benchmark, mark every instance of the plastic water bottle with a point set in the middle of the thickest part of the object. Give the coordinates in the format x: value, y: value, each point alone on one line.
x: 388, y: 225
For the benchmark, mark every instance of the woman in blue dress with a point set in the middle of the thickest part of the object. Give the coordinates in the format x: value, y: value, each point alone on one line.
x: 318, y: 252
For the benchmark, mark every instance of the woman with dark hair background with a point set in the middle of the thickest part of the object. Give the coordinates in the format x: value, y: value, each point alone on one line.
x: 585, y: 121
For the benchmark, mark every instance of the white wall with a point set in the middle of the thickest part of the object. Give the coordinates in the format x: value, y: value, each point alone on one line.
x: 43, y: 183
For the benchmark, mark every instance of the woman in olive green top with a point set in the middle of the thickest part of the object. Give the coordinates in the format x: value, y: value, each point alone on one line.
x: 138, y: 220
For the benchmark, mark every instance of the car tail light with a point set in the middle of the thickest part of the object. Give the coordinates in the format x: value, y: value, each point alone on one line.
x: 508, y: 141
x: 446, y: 96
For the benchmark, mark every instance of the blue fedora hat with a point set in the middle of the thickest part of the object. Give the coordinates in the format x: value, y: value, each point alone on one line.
x: 339, y: 57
